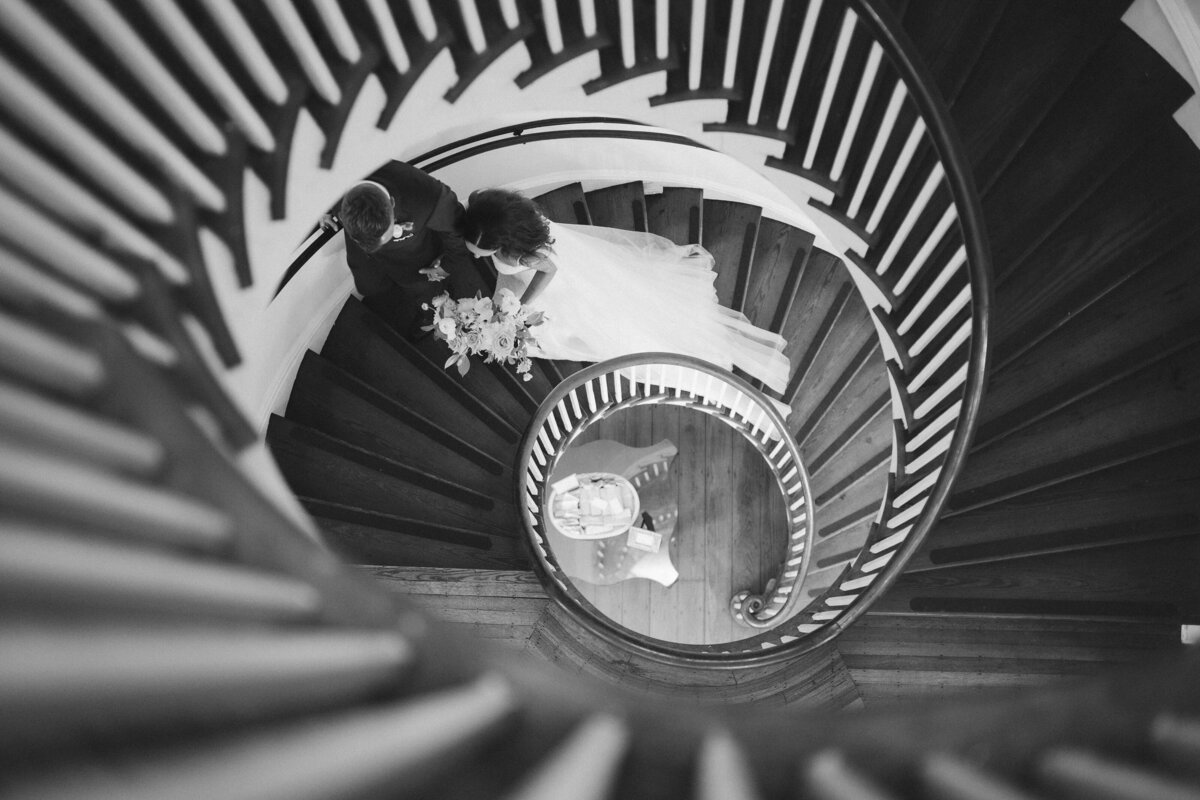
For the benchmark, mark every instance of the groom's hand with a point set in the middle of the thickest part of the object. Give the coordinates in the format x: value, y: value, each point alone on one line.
x: 434, y: 271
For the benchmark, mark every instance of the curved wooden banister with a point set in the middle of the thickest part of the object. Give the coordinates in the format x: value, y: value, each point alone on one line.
x: 887, y: 29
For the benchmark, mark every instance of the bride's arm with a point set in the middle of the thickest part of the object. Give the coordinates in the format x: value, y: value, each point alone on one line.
x: 544, y: 270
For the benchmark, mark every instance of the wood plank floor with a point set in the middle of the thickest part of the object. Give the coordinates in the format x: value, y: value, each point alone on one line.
x: 730, y: 535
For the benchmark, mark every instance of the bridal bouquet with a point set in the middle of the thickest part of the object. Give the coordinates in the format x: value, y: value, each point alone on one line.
x: 478, y: 326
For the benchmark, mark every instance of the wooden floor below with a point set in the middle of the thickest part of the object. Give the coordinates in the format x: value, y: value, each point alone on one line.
x: 730, y: 534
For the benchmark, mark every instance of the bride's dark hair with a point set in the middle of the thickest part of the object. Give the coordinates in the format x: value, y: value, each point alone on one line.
x: 505, y: 221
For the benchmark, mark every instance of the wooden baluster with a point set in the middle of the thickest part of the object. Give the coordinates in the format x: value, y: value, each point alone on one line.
x: 627, y: 33
x: 426, y: 21
x: 927, y: 430
x: 229, y: 20
x: 865, y: 84
x: 934, y: 400
x: 552, y: 26
x: 943, y: 354
x: 915, y: 137
x: 832, y: 78
x: 799, y: 60
x: 33, y: 288
x: 936, y: 176
x: 737, y: 14
x: 54, y: 680
x: 1079, y: 775
x: 587, y: 18
x: 145, y: 67
x: 109, y: 103
x: 766, y: 51
x: 956, y: 264
x: 338, y: 29
x: 583, y: 767
x: 389, y: 34
x: 948, y: 218
x: 890, y: 115
x: 56, y: 128
x: 947, y: 777
x: 31, y: 230
x: 47, y: 361
x: 47, y: 485
x: 1176, y: 740
x: 474, y: 25
x: 696, y: 44
x: 926, y: 458
x: 43, y: 568
x: 827, y: 776
x: 36, y: 176
x: 662, y: 29
x: 509, y: 13
x: 393, y: 748
x: 58, y: 427
x: 191, y: 46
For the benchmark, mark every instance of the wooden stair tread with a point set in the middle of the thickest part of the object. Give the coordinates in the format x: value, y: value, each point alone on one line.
x: 362, y: 541
x: 565, y: 204
x: 561, y: 640
x: 1140, y: 214
x: 676, y: 213
x: 364, y: 346
x: 464, y: 582
x: 950, y: 36
x: 1157, y: 312
x: 780, y: 254
x: 1153, y: 497
x: 322, y: 468
x: 328, y: 399
x: 730, y: 230
x: 1147, y: 580
x: 1134, y: 416
x: 1050, y: 180
x: 621, y: 206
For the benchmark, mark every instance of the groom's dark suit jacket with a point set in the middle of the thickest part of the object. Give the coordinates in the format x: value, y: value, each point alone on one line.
x: 389, y: 279
x: 435, y: 213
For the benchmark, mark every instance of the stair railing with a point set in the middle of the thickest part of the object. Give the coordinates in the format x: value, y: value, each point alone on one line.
x: 648, y: 379
x: 919, y: 253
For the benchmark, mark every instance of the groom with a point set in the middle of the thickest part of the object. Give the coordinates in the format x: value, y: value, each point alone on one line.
x: 402, y: 243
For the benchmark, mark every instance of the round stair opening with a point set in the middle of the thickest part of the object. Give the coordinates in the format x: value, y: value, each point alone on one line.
x: 664, y: 503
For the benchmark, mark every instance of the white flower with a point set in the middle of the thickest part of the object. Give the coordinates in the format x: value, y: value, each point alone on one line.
x: 448, y: 328
x: 509, y: 302
x: 503, y: 347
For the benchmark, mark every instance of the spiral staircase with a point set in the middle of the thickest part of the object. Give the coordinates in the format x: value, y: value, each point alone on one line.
x: 170, y: 630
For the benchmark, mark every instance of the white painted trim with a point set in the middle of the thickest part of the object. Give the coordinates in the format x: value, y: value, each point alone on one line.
x: 1184, y: 18
x: 1172, y: 28
x: 1188, y: 118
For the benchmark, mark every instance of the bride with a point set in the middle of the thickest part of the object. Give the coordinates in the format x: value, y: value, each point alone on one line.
x: 608, y: 293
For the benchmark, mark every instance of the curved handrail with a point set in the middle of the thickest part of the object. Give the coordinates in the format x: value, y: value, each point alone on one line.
x: 597, y: 392
x: 887, y: 29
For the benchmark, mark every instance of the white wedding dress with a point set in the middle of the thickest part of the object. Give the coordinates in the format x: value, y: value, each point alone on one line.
x: 616, y: 293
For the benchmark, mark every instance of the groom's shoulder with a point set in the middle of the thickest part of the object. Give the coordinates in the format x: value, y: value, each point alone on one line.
x: 407, y: 179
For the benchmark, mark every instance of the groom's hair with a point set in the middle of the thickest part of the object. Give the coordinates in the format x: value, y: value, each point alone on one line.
x: 366, y: 216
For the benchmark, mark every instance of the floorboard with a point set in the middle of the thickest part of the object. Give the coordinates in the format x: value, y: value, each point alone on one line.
x: 731, y: 533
